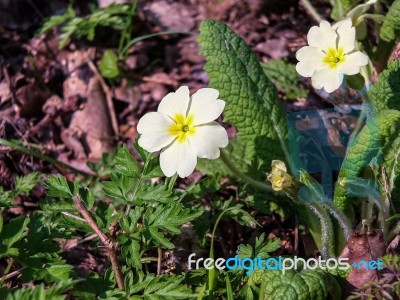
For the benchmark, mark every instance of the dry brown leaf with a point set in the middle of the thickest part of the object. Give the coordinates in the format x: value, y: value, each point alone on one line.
x: 363, y: 245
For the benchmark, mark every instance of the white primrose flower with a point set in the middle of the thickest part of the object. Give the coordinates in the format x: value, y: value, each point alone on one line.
x: 331, y: 54
x: 183, y: 128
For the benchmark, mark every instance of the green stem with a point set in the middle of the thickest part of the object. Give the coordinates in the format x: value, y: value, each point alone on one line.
x: 327, y: 247
x: 171, y: 182
x: 126, y: 33
x: 257, y: 184
x: 19, y: 147
x: 310, y: 9
x: 211, y: 272
x: 343, y: 220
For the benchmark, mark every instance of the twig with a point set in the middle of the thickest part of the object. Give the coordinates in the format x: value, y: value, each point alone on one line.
x: 11, y: 275
x: 16, y: 145
x: 9, y: 266
x: 110, y: 245
x: 72, y: 216
x: 296, y: 236
x: 76, y: 243
x: 109, y: 99
x: 310, y: 9
x: 159, y: 260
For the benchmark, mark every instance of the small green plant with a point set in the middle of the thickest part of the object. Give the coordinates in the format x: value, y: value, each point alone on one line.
x: 114, y: 16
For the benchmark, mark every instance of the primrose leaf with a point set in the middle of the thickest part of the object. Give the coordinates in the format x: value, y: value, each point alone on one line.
x: 384, y: 94
x: 391, y: 25
x: 389, y: 130
x: 292, y: 285
x: 372, y: 140
x: 286, y: 78
x: 360, y: 153
x: 252, y: 102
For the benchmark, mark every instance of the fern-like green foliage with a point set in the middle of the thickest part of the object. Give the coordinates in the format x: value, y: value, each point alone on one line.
x: 296, y: 285
x: 390, y: 29
x: 113, y: 16
x: 39, y: 292
x: 252, y: 103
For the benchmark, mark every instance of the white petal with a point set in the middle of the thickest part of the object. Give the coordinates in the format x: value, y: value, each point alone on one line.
x: 178, y: 158
x: 322, y: 37
x: 175, y: 103
x: 329, y: 79
x: 153, y: 128
x: 205, y: 106
x: 208, y: 139
x: 347, y: 36
x: 353, y: 63
x: 310, y: 59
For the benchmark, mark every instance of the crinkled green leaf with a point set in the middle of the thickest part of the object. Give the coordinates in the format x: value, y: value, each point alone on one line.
x: 252, y: 103
x: 391, y: 25
x: 364, y: 149
x: 302, y: 285
x: 390, y: 140
x: 384, y: 138
x: 286, y: 78
x: 385, y: 93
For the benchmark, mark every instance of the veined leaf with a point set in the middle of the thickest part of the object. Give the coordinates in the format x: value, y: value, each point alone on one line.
x: 363, y: 150
x: 391, y: 25
x: 384, y: 94
x: 252, y: 104
x: 385, y: 138
x: 286, y: 78
x: 303, y: 285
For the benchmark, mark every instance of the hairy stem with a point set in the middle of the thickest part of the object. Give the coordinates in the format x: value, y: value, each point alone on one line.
x: 310, y: 9
x: 327, y: 247
x: 257, y: 184
x: 343, y: 220
x: 111, y: 245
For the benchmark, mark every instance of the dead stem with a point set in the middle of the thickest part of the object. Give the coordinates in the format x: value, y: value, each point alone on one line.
x: 109, y: 244
x: 159, y: 260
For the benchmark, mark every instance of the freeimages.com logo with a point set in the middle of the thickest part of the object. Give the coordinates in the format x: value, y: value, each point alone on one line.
x: 280, y: 263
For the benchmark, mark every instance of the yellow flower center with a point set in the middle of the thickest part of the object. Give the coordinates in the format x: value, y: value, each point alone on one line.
x: 182, y: 128
x: 334, y: 57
